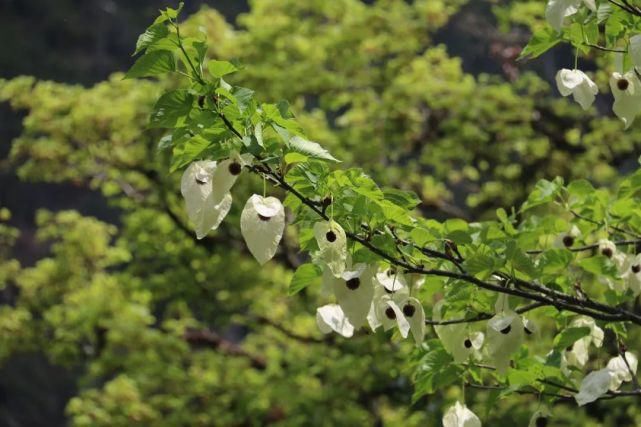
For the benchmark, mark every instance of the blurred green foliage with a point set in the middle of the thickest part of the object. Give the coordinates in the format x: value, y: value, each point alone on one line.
x: 167, y: 330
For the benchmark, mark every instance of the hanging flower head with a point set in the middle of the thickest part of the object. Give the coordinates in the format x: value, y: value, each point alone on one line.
x: 228, y: 171
x: 593, y: 386
x: 331, y: 318
x: 354, y: 292
x: 457, y: 339
x: 459, y: 416
x: 204, y: 210
x: 396, y: 307
x: 332, y: 243
x: 505, y: 333
x: 622, y: 371
x: 577, y: 84
x: 631, y: 273
x: 577, y: 354
x: 391, y: 279
x: 626, y: 89
x: 262, y: 223
x: 539, y: 418
x: 557, y: 10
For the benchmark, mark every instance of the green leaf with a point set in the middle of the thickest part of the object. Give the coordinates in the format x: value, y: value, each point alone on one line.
x: 219, y: 69
x: 541, y: 41
x: 170, y: 108
x: 152, y: 64
x: 405, y: 199
x: 304, y: 276
x: 435, y: 371
x: 310, y: 148
x: 294, y: 158
x: 151, y: 36
x: 569, y: 336
x: 169, y: 14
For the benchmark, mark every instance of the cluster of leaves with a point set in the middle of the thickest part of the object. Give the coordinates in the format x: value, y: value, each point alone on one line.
x: 475, y: 258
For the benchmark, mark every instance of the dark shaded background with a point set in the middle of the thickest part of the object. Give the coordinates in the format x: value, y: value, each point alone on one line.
x: 72, y: 41
x: 83, y: 41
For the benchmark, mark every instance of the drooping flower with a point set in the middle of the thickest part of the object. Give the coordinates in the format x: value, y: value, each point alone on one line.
x: 331, y: 318
x: 631, y: 273
x: 504, y: 336
x: 622, y: 371
x: 415, y: 314
x: 593, y: 386
x: 262, y: 223
x: 204, y: 210
x: 577, y: 354
x: 626, y: 89
x: 459, y: 415
x: 354, y: 292
x: 557, y: 10
x: 391, y: 279
x: 332, y: 243
x: 227, y: 172
x: 607, y: 248
x: 390, y: 314
x: 577, y: 84
x: 567, y: 240
x: 457, y: 339
x: 539, y: 418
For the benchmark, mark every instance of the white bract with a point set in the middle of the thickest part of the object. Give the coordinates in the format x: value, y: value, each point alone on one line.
x: 504, y: 336
x: 541, y: 413
x: 631, y: 273
x: 593, y: 386
x: 415, y: 315
x: 557, y: 10
x: 262, y: 223
x: 577, y: 84
x: 227, y: 172
x: 391, y: 280
x: 635, y: 50
x: 331, y: 318
x: 204, y: 210
x: 390, y: 314
x: 626, y: 89
x: 354, y: 292
x: 566, y: 240
x: 457, y: 338
x: 332, y: 243
x: 620, y: 370
x: 578, y: 354
x: 459, y: 416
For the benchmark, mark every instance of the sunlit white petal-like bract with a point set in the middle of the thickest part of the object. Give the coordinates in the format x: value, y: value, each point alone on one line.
x: 626, y: 89
x: 593, y: 386
x: 354, y: 292
x: 262, y: 223
x: 332, y: 243
x: 227, y: 172
x: 635, y: 50
x: 504, y: 336
x: 331, y: 318
x: 456, y: 338
x: 391, y: 280
x: 459, y: 415
x: 557, y: 10
x: 203, y: 210
x: 622, y: 371
x: 577, y: 84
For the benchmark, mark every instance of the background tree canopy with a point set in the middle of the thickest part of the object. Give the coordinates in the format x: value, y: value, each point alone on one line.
x: 114, y: 314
